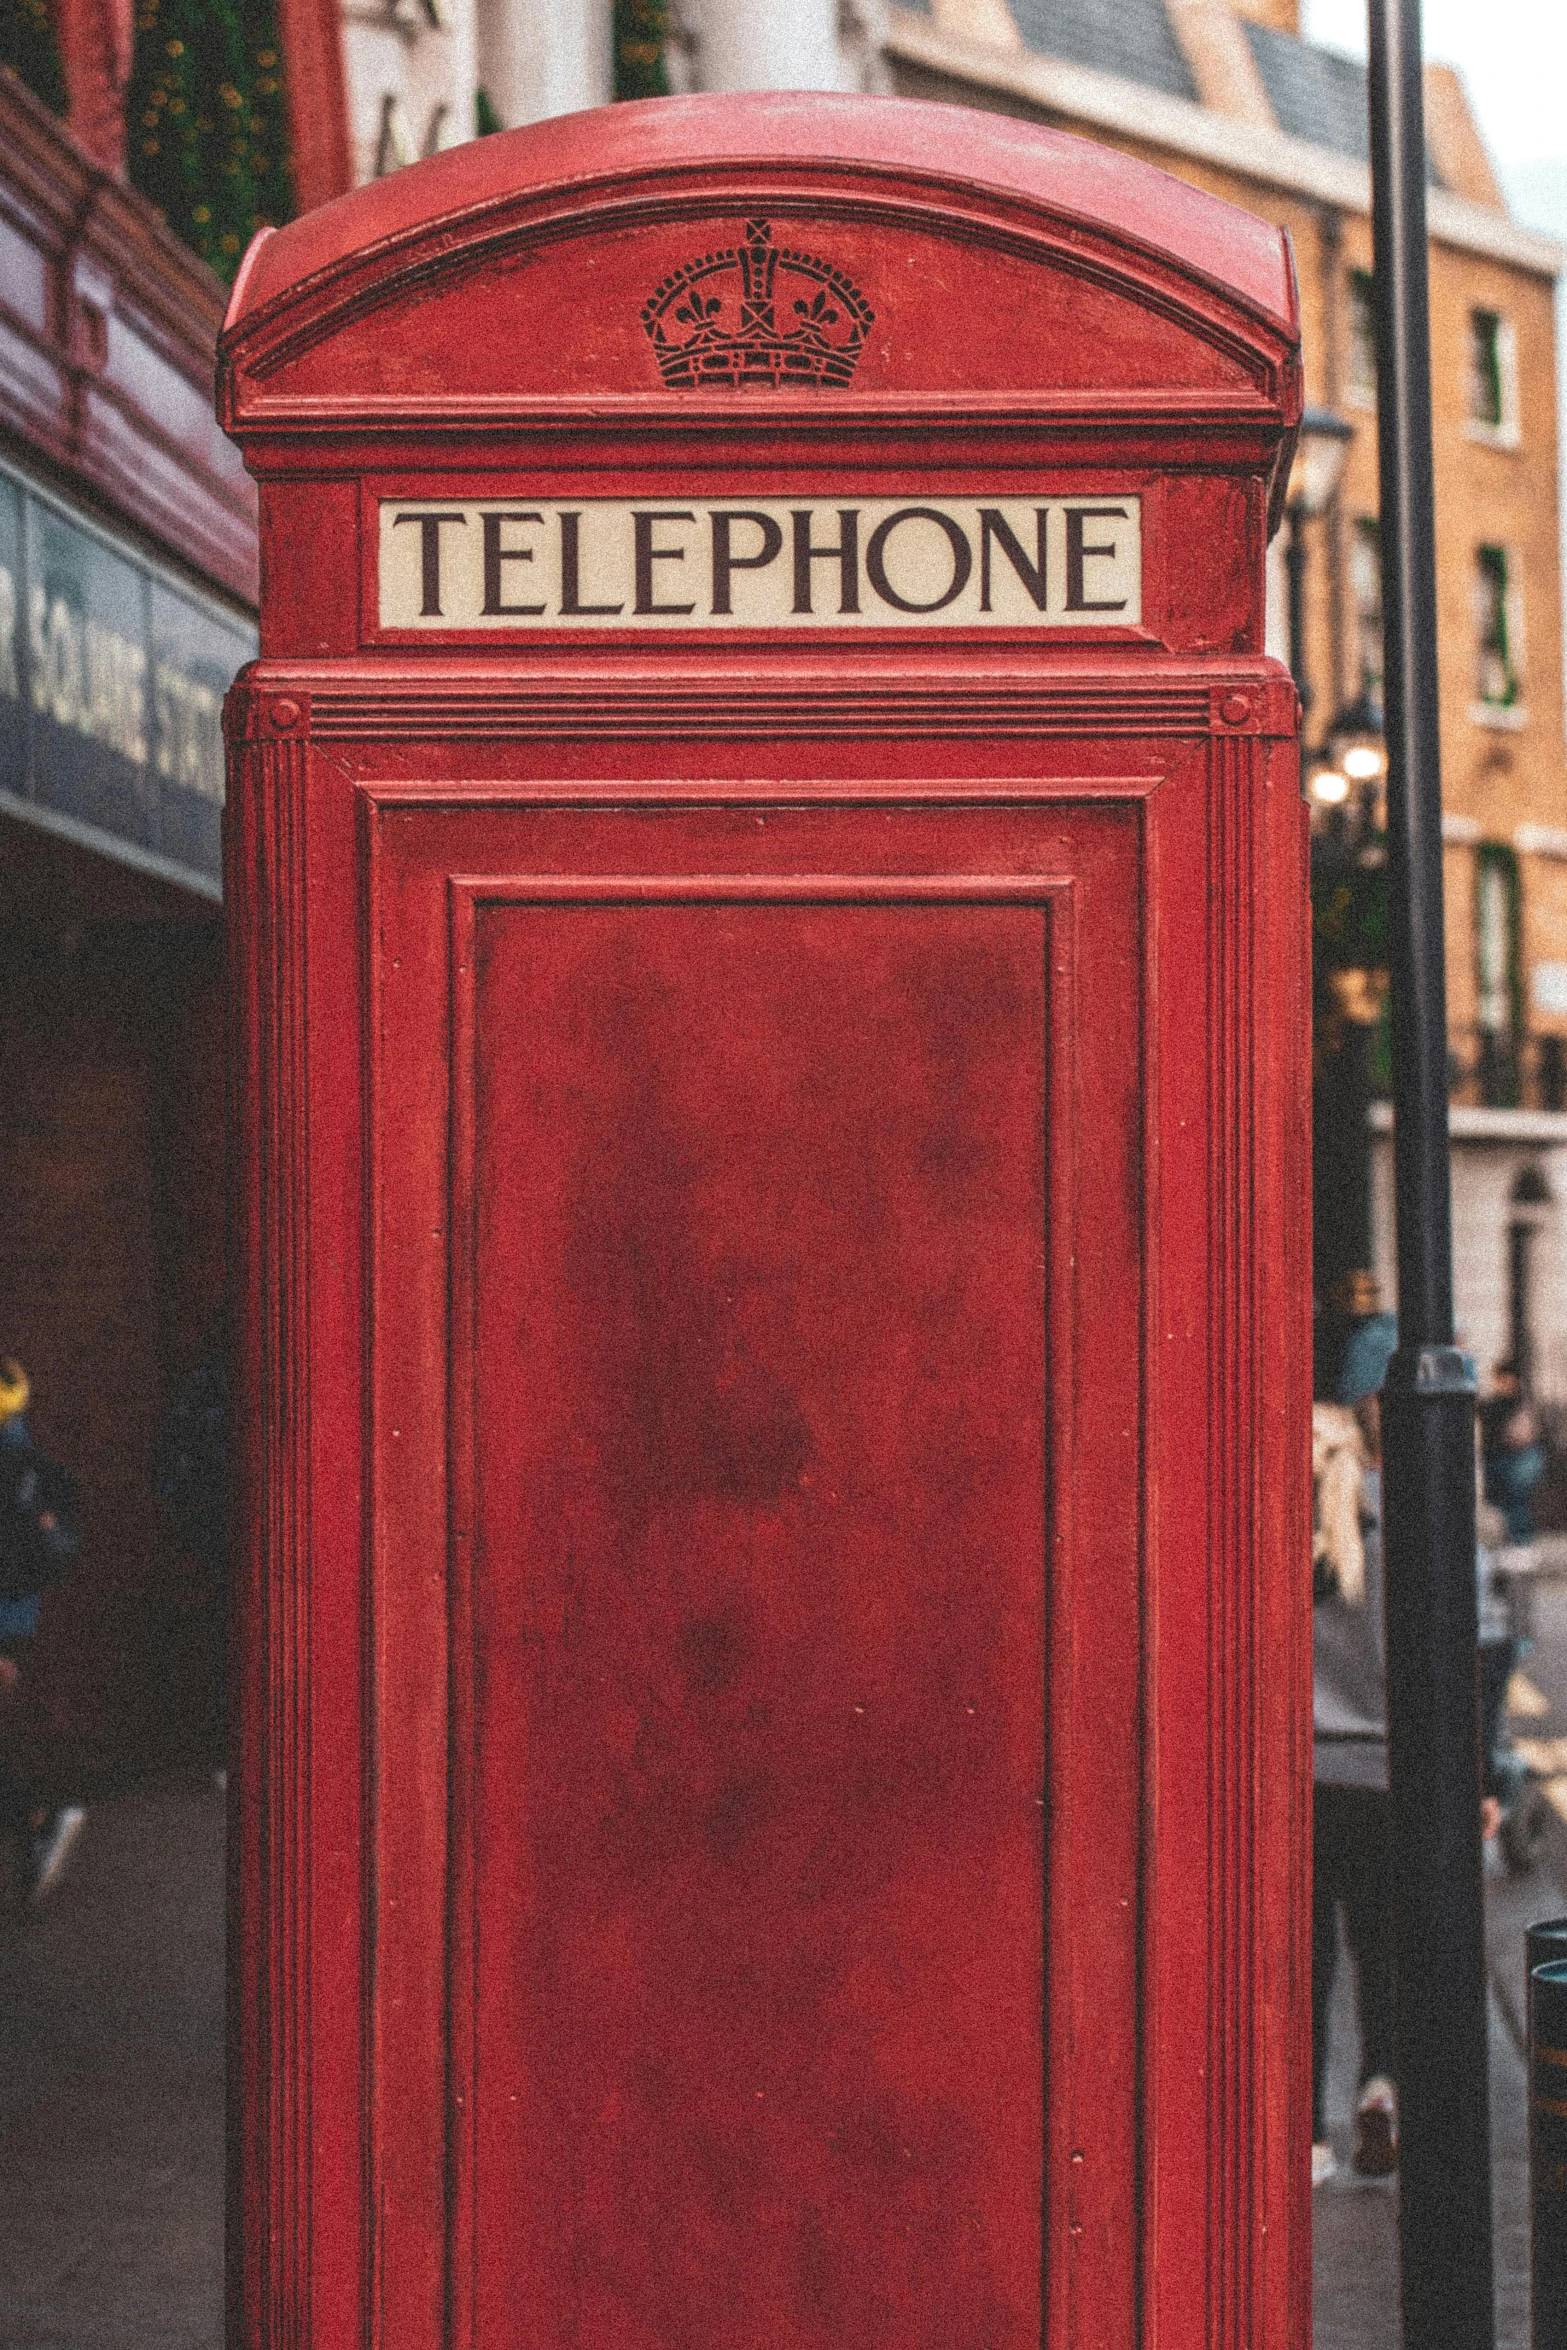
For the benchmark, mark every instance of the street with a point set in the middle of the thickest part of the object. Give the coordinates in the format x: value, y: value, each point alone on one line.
x: 111, y: 2088
x: 1356, y: 2220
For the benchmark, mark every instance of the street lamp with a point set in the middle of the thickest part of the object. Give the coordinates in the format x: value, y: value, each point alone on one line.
x: 1314, y: 477
x: 1428, y: 1398
x: 1353, y: 766
x: 1348, y: 870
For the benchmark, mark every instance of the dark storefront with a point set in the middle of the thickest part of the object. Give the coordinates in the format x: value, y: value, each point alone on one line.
x: 126, y: 576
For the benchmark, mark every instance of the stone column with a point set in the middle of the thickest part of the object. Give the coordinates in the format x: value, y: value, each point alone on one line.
x: 766, y: 45
x: 542, y: 57
x: 412, y: 73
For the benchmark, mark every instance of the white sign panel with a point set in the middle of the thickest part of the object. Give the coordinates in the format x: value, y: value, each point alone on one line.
x: 840, y: 562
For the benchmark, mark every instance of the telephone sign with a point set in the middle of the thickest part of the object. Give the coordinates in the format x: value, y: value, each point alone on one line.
x: 762, y: 563
x: 768, y: 913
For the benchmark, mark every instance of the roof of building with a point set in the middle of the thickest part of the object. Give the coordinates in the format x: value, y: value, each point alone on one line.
x: 1317, y: 95
x: 1132, y: 38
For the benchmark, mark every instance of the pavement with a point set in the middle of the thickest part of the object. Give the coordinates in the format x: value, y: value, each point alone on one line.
x: 111, y: 2082
x: 1355, y: 2266
x: 111, y: 2087
x: 1355, y: 2221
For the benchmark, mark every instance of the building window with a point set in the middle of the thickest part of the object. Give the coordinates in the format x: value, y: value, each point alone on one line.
x: 1498, y: 984
x: 1362, y: 335
x: 1493, y: 377
x: 1365, y: 587
x: 1496, y: 669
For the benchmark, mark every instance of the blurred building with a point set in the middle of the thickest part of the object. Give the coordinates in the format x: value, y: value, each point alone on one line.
x: 127, y: 589
x: 1227, y: 94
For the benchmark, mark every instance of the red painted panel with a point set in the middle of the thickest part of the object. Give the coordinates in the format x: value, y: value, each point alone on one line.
x: 754, y: 138
x: 759, y: 1538
x: 771, y: 1184
x: 1071, y: 332
x: 933, y: 853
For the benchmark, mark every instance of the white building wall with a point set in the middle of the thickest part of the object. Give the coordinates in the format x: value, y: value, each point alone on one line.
x: 1491, y: 1149
x: 415, y: 66
x: 543, y: 57
x: 765, y: 45
x: 1276, y: 631
x: 412, y: 73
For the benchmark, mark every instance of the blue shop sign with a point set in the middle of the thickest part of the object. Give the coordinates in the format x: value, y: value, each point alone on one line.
x: 112, y: 678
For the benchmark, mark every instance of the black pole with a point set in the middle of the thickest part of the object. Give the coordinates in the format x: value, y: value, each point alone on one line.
x: 1548, y: 2154
x: 1295, y: 571
x: 1429, y: 1398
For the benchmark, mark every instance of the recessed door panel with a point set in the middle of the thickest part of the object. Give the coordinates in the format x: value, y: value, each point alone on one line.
x: 756, y: 1603
x: 757, y: 1194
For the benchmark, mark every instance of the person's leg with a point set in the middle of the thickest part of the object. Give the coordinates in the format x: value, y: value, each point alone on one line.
x: 1496, y: 1667
x: 1368, y: 1917
x: 47, y: 1838
x: 1325, y: 1888
x: 16, y: 1809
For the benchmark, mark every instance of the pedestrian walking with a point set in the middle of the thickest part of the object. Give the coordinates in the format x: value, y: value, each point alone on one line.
x: 1512, y: 1453
x: 1352, y: 1855
x: 39, y: 1538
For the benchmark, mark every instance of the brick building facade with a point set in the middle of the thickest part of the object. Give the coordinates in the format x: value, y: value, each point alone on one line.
x: 1226, y: 93
x: 127, y: 587
x: 116, y: 491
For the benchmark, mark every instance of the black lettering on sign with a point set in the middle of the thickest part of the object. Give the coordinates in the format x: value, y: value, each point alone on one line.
x: 494, y: 556
x: 429, y: 558
x: 846, y: 554
x: 644, y: 518
x: 725, y: 560
x: 993, y: 524
x: 876, y: 558
x: 1078, y: 555
x: 571, y: 604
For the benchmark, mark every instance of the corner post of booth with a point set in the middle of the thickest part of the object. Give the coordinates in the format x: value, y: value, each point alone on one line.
x: 767, y: 894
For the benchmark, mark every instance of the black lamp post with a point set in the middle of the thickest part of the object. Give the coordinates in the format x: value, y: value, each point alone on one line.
x: 1428, y: 1403
x: 1314, y: 478
x: 1349, y: 871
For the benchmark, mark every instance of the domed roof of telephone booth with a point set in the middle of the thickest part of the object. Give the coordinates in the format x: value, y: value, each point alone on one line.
x: 987, y: 256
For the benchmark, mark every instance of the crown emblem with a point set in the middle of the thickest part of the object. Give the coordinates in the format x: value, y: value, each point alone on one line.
x: 757, y: 313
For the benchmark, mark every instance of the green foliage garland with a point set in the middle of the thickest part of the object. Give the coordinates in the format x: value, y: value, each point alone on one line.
x: 641, y: 30
x: 205, y: 122
x: 29, y: 48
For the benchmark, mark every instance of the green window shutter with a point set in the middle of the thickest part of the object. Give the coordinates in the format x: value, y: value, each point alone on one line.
x: 1498, y: 972
x: 1496, y: 675
x: 1487, y: 404
x: 1363, y: 334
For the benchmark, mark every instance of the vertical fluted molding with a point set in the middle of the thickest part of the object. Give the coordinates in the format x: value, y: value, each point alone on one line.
x: 269, y: 1908
x: 1237, y: 1506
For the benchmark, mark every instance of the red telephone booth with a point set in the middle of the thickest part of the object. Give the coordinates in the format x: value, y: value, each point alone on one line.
x: 769, y: 947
